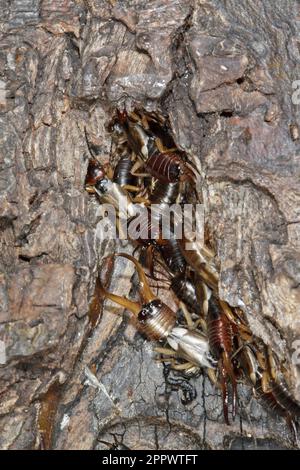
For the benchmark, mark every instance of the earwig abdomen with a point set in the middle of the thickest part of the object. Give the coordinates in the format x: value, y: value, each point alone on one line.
x: 164, y: 193
x: 156, y: 320
x: 164, y: 166
x: 269, y: 399
x: 172, y: 256
x: 122, y: 173
x: 220, y: 335
x: 186, y: 292
x: 219, y: 330
x: 284, y: 398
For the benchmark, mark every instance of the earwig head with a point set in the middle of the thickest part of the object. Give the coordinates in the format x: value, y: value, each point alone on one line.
x: 214, y: 310
x: 95, y: 177
x: 149, y: 310
x: 122, y: 116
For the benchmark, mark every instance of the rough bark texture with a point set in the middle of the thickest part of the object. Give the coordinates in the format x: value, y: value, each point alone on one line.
x: 223, y: 72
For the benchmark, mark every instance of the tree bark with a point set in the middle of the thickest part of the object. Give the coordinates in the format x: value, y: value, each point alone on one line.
x: 72, y: 373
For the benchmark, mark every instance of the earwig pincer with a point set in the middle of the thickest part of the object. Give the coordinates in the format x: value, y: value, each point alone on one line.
x: 220, y: 334
x: 157, y: 322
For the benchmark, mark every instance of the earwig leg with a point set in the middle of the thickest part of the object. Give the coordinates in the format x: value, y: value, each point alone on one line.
x: 121, y: 234
x: 149, y: 260
x: 265, y: 385
x: 165, y: 351
x: 261, y: 359
x: 184, y: 366
x: 141, y: 175
x: 202, y: 323
x: 212, y: 376
x: 187, y: 315
x: 272, y: 364
x: 140, y: 200
x: 109, y: 171
x: 135, y: 167
x: 145, y: 122
x: 131, y: 188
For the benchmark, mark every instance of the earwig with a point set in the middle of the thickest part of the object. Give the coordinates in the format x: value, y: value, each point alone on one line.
x: 220, y: 334
x: 277, y: 398
x: 157, y: 322
x: 122, y: 173
x: 154, y: 319
x: 141, y: 142
x: 167, y: 166
x: 284, y: 398
x: 96, y: 182
x: 273, y: 390
x: 201, y: 260
x: 185, y: 291
x: 269, y: 400
x: 164, y: 193
x: 171, y: 254
x: 95, y: 176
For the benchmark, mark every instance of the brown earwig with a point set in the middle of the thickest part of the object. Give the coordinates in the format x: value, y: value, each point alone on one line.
x: 171, y: 254
x: 140, y: 142
x: 157, y: 322
x: 95, y: 176
x: 164, y: 193
x: 220, y: 334
x: 122, y: 173
x: 272, y: 389
x: 185, y: 291
x: 284, y: 398
x: 153, y: 318
x: 109, y: 192
x: 201, y: 260
x: 277, y: 398
x: 166, y: 165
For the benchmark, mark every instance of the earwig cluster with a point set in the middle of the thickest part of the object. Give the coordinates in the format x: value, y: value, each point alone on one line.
x: 213, y: 336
